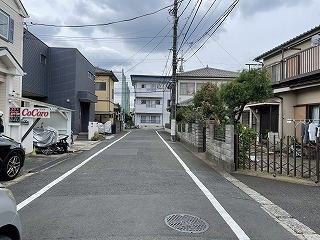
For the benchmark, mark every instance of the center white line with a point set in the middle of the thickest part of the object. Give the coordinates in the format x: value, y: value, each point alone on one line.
x: 53, y: 183
x: 223, y: 213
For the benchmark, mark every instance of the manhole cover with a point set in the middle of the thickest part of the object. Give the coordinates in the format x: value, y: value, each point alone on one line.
x: 186, y: 223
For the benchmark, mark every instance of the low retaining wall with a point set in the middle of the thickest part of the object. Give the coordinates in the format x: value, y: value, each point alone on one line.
x: 218, y: 150
x: 192, y: 135
x: 221, y: 152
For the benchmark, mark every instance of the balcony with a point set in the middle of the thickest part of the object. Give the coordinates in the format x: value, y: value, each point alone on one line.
x: 297, y: 65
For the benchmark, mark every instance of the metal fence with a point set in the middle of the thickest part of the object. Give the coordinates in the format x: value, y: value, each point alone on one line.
x: 278, y: 157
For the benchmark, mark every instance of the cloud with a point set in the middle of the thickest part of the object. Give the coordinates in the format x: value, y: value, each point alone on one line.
x: 249, y: 8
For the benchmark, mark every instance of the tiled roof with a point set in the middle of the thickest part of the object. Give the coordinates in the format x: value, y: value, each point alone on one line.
x: 150, y: 78
x: 287, y: 43
x: 104, y: 72
x: 208, y: 73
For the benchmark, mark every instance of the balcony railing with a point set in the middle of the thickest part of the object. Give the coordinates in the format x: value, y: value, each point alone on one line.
x: 300, y: 63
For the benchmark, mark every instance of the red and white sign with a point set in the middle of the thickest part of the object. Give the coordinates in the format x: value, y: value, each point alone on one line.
x: 35, y: 112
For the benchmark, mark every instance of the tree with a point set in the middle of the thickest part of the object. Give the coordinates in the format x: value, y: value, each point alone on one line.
x: 185, y: 114
x: 252, y: 85
x: 207, y: 102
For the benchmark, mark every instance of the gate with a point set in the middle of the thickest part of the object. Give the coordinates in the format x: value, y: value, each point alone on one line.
x: 275, y: 156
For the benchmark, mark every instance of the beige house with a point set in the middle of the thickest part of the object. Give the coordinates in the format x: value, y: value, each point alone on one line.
x: 105, y: 107
x: 12, y: 14
x: 295, y: 70
x: 191, y: 81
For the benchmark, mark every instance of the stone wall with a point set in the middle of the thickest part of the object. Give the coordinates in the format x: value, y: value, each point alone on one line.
x: 192, y: 135
x: 221, y: 152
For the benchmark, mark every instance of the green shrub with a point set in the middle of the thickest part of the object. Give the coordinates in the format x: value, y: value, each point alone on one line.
x: 97, y: 137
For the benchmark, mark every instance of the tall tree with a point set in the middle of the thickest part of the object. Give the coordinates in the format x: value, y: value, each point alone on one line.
x: 207, y: 102
x: 252, y: 85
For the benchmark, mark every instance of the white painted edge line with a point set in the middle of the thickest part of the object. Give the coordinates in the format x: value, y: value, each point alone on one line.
x: 223, y: 213
x: 56, y: 181
x: 291, y: 224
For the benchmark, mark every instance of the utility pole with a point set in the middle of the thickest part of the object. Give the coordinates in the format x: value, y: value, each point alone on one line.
x: 174, y: 12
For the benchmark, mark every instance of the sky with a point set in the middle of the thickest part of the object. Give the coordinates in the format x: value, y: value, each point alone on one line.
x: 135, y: 36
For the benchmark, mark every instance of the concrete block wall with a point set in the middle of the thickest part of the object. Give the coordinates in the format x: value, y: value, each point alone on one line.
x: 221, y: 152
x: 192, y: 135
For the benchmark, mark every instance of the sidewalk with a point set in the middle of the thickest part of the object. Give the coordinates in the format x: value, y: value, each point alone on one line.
x: 39, y: 160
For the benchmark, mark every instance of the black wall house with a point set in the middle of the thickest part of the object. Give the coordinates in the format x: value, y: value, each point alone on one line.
x: 60, y: 76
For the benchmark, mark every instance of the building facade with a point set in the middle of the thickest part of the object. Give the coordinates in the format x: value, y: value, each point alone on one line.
x: 151, y: 100
x: 105, y: 106
x: 12, y: 15
x: 191, y: 81
x: 294, y: 67
x: 60, y: 76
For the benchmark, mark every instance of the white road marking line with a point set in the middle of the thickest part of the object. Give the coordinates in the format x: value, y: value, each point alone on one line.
x: 53, y: 183
x: 223, y: 213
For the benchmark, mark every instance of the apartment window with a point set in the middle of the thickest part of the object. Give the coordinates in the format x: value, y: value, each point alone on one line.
x: 112, y: 93
x: 150, y: 119
x: 101, y: 86
x: 6, y: 27
x: 187, y: 88
x: 151, y: 88
x: 43, y: 59
x: 143, y: 86
x: 143, y: 101
x: 91, y: 76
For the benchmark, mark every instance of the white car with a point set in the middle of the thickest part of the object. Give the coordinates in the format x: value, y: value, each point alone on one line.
x: 10, y: 224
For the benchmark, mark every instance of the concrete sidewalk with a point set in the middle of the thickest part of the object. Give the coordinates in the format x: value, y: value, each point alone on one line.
x: 33, y: 162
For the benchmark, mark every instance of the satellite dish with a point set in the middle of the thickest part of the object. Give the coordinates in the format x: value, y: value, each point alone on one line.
x: 315, y: 40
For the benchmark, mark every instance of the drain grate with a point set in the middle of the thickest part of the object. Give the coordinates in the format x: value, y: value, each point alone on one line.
x: 186, y: 223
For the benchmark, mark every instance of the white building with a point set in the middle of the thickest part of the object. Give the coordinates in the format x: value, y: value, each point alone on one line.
x: 151, y: 101
x: 12, y: 15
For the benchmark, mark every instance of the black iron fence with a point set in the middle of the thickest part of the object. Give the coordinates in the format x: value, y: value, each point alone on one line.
x: 277, y: 156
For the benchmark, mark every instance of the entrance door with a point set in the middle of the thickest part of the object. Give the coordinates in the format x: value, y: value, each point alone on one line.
x: 269, y: 119
x: 84, y: 121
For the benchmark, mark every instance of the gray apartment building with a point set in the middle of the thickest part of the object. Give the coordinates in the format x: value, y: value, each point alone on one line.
x: 59, y: 76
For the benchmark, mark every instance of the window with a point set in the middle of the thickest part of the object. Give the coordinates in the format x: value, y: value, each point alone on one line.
x: 198, y: 86
x: 143, y: 101
x: 150, y: 119
x: 143, y: 86
x: 43, y: 59
x: 6, y: 27
x: 314, y: 113
x: 101, y: 86
x: 91, y: 76
x: 187, y: 88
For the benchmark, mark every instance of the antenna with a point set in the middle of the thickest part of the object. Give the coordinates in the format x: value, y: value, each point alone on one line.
x: 315, y: 40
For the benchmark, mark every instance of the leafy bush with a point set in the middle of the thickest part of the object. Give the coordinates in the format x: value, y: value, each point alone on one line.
x: 97, y: 137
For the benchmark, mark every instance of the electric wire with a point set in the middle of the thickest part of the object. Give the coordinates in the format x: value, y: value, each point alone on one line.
x: 215, y: 26
x: 144, y: 45
x: 101, y: 24
x: 194, y: 16
x: 208, y: 10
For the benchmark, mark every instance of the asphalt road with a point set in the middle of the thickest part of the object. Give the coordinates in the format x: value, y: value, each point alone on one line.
x: 127, y: 187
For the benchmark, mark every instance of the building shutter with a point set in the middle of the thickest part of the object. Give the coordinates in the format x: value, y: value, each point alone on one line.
x: 11, y: 30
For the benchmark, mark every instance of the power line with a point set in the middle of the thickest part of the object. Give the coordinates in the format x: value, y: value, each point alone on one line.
x: 197, y: 24
x: 144, y: 45
x: 101, y: 24
x: 216, y: 25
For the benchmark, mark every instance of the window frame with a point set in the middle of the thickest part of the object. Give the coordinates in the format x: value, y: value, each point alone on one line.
x: 4, y: 29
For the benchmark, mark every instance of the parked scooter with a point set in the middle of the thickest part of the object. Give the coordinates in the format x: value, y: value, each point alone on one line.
x: 47, y: 141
